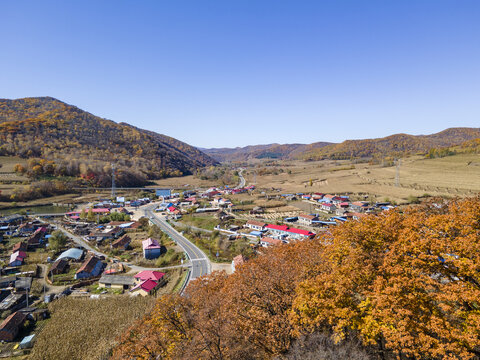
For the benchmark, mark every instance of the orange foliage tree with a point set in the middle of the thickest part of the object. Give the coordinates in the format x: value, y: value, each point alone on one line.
x: 407, y: 283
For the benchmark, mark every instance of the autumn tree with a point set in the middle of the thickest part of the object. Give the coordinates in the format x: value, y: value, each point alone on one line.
x: 19, y: 168
x: 408, y: 282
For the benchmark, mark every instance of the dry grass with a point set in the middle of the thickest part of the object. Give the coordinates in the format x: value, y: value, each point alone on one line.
x: 185, y: 182
x: 450, y: 176
x: 86, y: 328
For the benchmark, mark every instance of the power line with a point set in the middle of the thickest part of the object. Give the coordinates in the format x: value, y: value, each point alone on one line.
x: 397, y: 172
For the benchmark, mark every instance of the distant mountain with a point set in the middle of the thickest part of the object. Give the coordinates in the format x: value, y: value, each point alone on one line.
x: 270, y: 151
x: 393, y: 145
x: 81, y: 144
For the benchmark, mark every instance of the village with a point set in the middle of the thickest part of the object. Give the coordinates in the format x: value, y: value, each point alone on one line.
x: 110, y: 248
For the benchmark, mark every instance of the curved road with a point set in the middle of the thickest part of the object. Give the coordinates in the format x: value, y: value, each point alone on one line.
x: 200, y: 262
x: 242, y: 179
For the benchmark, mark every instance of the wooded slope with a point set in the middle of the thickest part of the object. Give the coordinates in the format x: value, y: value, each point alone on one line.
x: 50, y: 129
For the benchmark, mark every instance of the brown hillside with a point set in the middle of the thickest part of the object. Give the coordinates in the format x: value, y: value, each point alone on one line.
x: 50, y: 129
x: 394, y: 145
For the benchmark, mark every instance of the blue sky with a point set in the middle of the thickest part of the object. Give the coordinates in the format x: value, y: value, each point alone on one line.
x: 242, y: 72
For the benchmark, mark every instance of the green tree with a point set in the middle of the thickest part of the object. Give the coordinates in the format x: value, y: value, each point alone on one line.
x: 90, y: 216
x: 58, y: 240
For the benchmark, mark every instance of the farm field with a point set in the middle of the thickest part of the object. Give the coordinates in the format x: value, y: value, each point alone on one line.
x: 457, y: 175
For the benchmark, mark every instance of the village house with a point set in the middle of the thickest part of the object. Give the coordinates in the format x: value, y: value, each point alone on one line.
x: 151, y: 248
x: 12, y: 302
x: 121, y: 282
x: 11, y: 219
x: 16, y: 259
x: 122, y: 243
x: 37, y: 239
x: 26, y: 229
x: 11, y: 326
x: 277, y: 229
x: 107, y: 233
x: 145, y: 288
x: 20, y: 246
x: 299, y: 234
x: 305, y: 219
x: 145, y: 275
x: 283, y: 231
x: 359, y: 206
x: 90, y: 268
x: 59, y: 267
x: 328, y: 198
x: 268, y: 241
x: 255, y: 225
x: 328, y: 207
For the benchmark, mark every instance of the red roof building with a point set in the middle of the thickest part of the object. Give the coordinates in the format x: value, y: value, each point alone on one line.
x: 149, y: 275
x: 145, y: 288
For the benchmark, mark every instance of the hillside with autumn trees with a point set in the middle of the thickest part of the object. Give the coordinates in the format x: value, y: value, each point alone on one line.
x: 61, y: 140
x: 400, y: 285
x: 394, y: 145
x: 270, y: 151
x: 391, y: 146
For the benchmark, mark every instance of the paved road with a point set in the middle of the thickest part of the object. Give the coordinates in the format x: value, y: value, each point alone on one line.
x: 200, y: 262
x: 79, y: 241
x: 242, y: 179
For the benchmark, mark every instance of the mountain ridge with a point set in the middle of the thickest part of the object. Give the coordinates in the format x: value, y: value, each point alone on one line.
x: 393, y: 145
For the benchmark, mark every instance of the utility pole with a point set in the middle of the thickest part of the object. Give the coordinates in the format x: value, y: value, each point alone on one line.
x: 397, y: 172
x: 113, y: 181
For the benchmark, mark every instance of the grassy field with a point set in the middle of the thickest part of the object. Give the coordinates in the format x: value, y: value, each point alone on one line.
x: 203, y: 221
x: 68, y: 331
x: 185, y: 182
x: 456, y: 175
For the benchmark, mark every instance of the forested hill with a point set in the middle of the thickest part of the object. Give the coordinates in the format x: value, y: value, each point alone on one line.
x: 80, y: 143
x: 270, y: 151
x: 393, y: 145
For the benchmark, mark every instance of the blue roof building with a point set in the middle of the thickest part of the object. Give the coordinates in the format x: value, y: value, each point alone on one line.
x: 165, y: 193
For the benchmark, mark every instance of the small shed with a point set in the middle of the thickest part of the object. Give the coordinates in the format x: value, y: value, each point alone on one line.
x: 27, y: 342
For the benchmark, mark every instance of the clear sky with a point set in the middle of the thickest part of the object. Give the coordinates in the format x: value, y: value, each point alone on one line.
x: 237, y: 72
